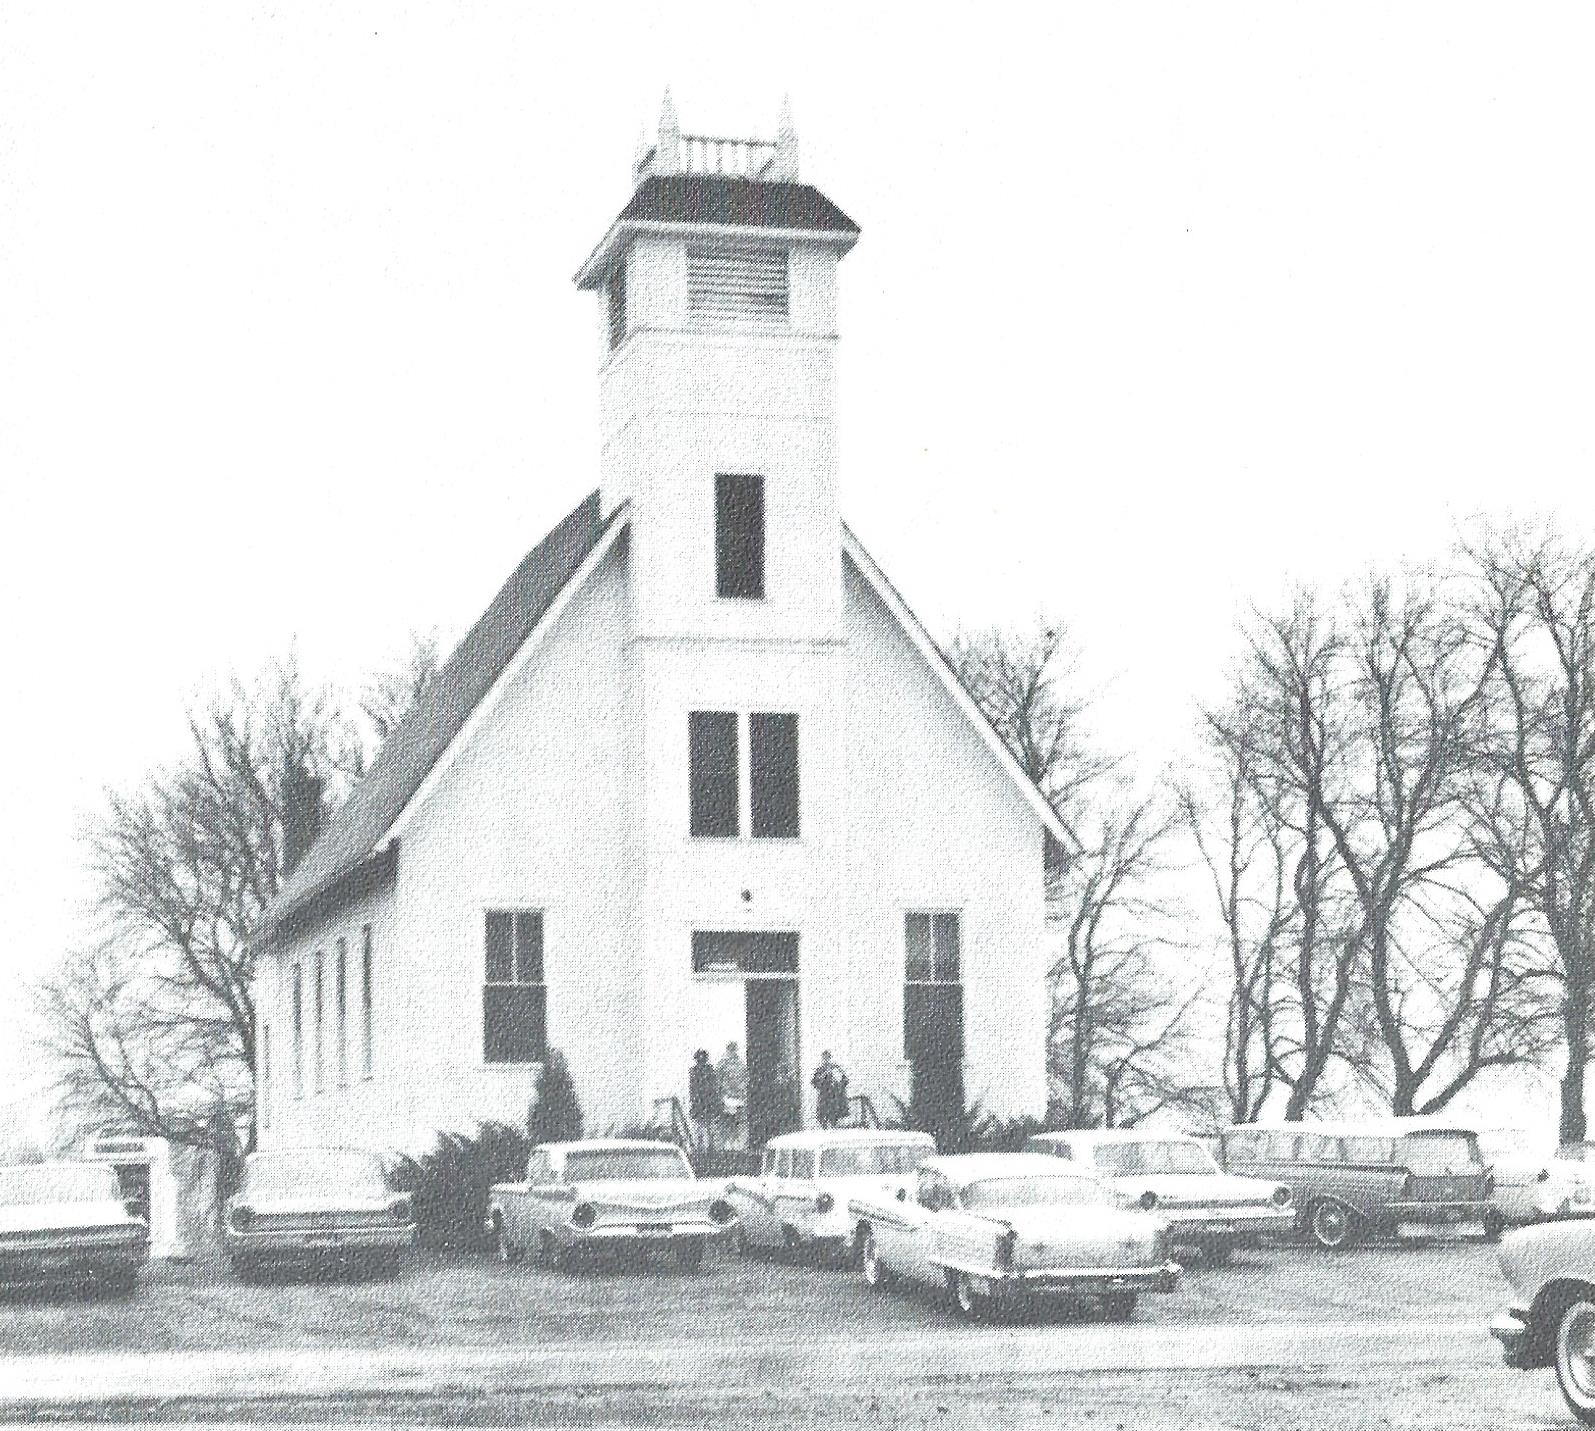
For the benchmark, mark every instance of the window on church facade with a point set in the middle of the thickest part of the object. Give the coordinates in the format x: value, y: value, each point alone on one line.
x: 773, y: 775
x: 617, y: 306
x: 365, y: 1001
x: 933, y: 990
x: 514, y: 996
x: 340, y: 987
x: 739, y: 536
x: 318, y: 1009
x: 712, y: 760
x: 299, y: 1031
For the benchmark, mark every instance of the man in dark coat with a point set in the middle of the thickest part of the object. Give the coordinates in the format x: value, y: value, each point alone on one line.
x: 830, y: 1086
x: 704, y: 1102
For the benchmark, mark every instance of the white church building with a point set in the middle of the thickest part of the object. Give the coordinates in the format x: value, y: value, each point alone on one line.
x: 696, y: 775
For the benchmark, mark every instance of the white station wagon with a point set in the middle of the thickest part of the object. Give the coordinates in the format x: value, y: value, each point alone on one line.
x: 1207, y: 1209
x: 799, y: 1199
x: 607, y: 1193
x: 1006, y: 1230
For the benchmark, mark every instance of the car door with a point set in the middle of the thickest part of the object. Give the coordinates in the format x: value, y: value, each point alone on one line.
x: 933, y: 1196
x: 777, y: 1171
x: 515, y: 1203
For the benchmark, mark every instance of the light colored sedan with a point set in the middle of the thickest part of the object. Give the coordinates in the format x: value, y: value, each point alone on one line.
x: 1532, y: 1180
x: 799, y: 1200
x: 1208, y: 1210
x: 1551, y: 1319
x: 1005, y: 1230
x: 66, y: 1223
x: 317, y: 1209
x: 607, y: 1193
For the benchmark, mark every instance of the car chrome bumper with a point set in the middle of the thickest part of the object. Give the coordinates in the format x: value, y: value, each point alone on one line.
x: 1205, y: 1223
x: 1510, y: 1327
x: 65, y: 1261
x: 1090, y: 1280
x: 610, y: 1234
x: 309, y: 1243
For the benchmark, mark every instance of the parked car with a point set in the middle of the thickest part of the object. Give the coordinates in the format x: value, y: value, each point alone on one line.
x: 1534, y: 1180
x: 1402, y: 1178
x: 317, y: 1209
x: 1208, y: 1210
x: 1005, y: 1230
x: 607, y: 1193
x: 1551, y: 1319
x: 799, y: 1199
x: 64, y: 1224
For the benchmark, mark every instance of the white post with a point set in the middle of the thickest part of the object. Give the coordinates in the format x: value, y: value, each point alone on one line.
x: 667, y: 153
x: 785, y: 165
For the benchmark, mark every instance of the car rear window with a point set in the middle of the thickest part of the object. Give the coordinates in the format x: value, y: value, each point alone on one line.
x: 1437, y: 1153
x: 872, y: 1160
x: 627, y: 1164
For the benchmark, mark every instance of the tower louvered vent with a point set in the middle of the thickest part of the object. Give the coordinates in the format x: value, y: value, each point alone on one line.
x: 742, y: 284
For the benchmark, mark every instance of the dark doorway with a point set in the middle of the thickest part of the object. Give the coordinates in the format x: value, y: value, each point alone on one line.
x: 775, y: 1092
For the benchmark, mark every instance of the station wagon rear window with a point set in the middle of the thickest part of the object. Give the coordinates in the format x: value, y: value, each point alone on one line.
x: 628, y: 1163
x: 1437, y: 1153
x: 1031, y: 1192
x: 1131, y: 1159
x: 21, y: 1186
x: 884, y: 1159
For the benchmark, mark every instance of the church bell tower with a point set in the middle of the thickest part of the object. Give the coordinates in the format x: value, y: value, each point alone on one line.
x: 718, y: 306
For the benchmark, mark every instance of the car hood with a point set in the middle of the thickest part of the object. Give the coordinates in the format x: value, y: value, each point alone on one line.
x: 1175, y: 1189
x: 64, y: 1216
x: 1085, y: 1236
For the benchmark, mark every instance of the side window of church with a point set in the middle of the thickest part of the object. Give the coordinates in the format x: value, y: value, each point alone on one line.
x: 739, y: 536
x: 299, y: 1030
x: 712, y: 761
x: 514, y: 997
x: 617, y: 306
x: 773, y: 775
x: 933, y: 991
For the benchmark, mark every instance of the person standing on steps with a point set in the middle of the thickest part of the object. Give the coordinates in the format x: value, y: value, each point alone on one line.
x: 830, y: 1086
x: 733, y: 1075
x: 704, y: 1102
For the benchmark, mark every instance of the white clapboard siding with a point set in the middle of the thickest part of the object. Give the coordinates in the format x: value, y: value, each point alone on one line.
x: 742, y: 284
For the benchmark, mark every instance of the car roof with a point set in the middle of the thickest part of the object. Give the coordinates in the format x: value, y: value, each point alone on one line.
x: 839, y: 1137
x: 607, y: 1145
x: 97, y: 1165
x: 262, y: 1154
x: 965, y: 1168
x: 1089, y: 1136
x: 1388, y: 1126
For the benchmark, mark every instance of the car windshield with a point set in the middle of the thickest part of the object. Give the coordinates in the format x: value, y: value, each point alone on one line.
x: 1031, y: 1192
x: 59, y: 1183
x: 1437, y: 1153
x: 869, y: 1159
x: 313, y: 1173
x: 630, y: 1164
x: 1162, y: 1155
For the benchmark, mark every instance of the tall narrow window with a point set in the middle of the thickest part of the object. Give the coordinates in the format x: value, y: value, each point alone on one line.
x: 773, y: 775
x: 299, y: 1031
x: 341, y: 1004
x: 739, y: 535
x: 617, y: 305
x: 514, y: 996
x: 712, y: 758
x: 933, y: 991
x: 365, y: 1001
x: 318, y: 1011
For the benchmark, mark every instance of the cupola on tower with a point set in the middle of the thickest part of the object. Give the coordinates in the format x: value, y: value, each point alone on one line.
x: 717, y: 401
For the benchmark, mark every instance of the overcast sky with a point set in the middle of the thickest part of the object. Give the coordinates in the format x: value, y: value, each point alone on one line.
x: 1158, y: 310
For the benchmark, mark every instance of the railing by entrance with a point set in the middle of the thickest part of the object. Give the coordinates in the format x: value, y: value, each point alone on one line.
x: 861, y: 1112
x: 674, y: 1123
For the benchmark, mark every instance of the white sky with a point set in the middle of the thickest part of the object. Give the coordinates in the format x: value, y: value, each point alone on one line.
x: 1158, y: 309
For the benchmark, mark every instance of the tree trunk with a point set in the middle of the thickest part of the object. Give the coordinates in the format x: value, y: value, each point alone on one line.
x: 1572, y: 1112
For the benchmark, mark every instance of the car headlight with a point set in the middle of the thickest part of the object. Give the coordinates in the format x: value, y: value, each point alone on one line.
x: 240, y: 1218
x: 401, y: 1211
x: 824, y: 1202
x: 1281, y: 1197
x: 1148, y: 1200
x: 583, y: 1215
x: 721, y: 1211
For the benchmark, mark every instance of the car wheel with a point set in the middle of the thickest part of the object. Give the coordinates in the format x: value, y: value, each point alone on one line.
x: 970, y: 1304
x: 1575, y: 1359
x: 1118, y: 1306
x: 689, y: 1254
x: 508, y: 1253
x: 1330, y: 1225
x: 1494, y: 1225
x: 875, y: 1272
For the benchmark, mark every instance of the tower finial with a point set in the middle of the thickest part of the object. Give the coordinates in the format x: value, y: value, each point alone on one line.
x: 785, y: 164
x: 667, y: 153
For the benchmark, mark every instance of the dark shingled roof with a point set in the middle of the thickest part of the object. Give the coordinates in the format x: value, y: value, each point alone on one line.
x: 420, y: 739
x: 730, y: 199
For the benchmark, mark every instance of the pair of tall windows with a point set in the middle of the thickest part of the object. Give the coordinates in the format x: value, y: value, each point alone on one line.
x: 514, y: 995
x: 329, y: 1004
x: 714, y: 757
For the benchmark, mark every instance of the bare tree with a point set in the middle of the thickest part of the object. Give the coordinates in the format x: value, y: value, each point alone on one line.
x: 153, y: 1026
x: 1118, y: 1043
x: 1534, y: 613
x: 388, y: 696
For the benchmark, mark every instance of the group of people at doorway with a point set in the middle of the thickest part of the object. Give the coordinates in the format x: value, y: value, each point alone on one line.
x: 717, y: 1097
